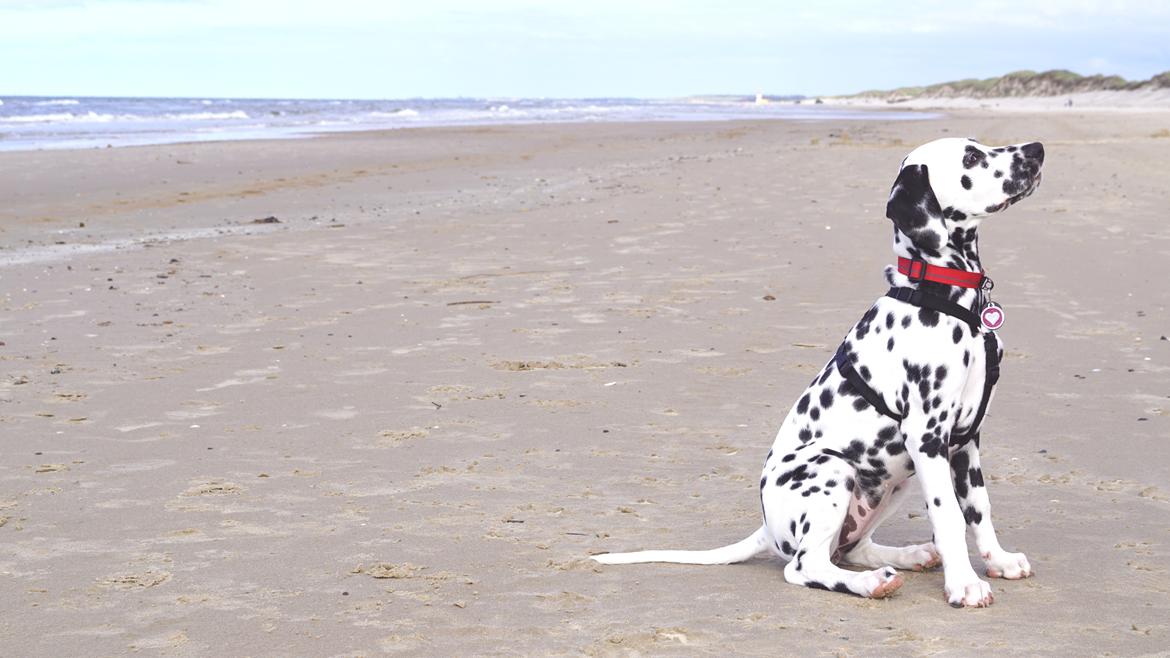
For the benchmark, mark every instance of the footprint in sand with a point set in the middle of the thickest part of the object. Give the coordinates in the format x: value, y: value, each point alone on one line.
x: 244, y: 378
x: 344, y: 413
x: 213, y: 487
x: 132, y: 581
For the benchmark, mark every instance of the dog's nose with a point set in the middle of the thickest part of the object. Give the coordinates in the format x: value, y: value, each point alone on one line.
x: 1034, y: 151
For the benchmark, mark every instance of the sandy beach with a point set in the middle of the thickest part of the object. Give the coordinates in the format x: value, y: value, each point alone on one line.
x: 385, y: 392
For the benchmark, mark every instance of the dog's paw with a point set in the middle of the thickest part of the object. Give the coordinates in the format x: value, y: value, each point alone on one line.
x: 881, y: 582
x: 974, y: 593
x: 923, y: 557
x: 1011, y: 566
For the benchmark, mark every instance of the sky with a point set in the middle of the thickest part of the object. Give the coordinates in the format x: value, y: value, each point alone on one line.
x: 569, y: 49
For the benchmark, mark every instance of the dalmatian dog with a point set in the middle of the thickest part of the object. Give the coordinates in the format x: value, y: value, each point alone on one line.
x: 843, y: 457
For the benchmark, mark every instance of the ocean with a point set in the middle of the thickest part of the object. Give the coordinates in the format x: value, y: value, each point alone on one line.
x: 29, y: 123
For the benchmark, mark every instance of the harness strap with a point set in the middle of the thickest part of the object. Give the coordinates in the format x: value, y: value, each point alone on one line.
x: 845, y: 367
x: 933, y: 302
x: 992, y: 350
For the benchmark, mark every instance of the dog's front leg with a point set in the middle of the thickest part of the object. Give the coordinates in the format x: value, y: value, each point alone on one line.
x: 926, y: 442
x: 972, y: 496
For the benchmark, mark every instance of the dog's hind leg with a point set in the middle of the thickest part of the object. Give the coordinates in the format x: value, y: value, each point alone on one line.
x: 812, y: 567
x: 814, y: 535
x: 865, y: 553
x: 915, y: 557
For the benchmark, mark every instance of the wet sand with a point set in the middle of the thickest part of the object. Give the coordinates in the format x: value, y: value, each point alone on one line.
x: 399, y: 417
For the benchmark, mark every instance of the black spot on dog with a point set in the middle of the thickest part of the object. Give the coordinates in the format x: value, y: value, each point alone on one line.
x: 928, y: 317
x: 866, y: 321
x: 787, y: 458
x: 854, y: 452
x: 932, y: 446
x: 846, y: 389
x: 805, y: 435
x: 889, y: 320
x: 912, y: 206
x: 815, y: 413
x: 976, y: 477
x: 786, y: 548
x: 797, y: 474
x: 959, y: 463
x: 802, y: 405
x: 957, y: 334
x: 965, y: 181
x: 890, y: 344
x: 972, y: 157
x: 906, y: 322
x: 824, y: 376
x: 950, y: 213
x: 972, y: 516
x: 937, y: 503
x: 826, y: 398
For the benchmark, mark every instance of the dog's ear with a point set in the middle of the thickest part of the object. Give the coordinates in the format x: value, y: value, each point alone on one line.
x: 916, y: 211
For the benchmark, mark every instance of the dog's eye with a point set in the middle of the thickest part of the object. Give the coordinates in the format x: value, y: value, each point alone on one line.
x: 971, y: 159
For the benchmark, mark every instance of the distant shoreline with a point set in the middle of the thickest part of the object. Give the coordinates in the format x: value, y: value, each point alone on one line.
x: 39, y: 123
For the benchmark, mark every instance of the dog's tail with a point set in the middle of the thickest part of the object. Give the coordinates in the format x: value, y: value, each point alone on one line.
x: 738, y: 552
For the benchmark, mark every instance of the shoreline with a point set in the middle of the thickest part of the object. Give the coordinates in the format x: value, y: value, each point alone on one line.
x: 119, y: 123
x: 928, y: 108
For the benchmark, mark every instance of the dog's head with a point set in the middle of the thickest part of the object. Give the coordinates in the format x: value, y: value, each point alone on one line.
x: 958, y: 181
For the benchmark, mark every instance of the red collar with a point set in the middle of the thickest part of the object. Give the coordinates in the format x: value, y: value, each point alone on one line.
x: 919, y: 270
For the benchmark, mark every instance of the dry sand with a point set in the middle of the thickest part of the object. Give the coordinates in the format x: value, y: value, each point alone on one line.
x: 465, y: 359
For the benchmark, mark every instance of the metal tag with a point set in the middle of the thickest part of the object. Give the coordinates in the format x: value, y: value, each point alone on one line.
x: 992, y: 316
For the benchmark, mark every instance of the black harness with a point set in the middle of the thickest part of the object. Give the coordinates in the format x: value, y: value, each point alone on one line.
x: 934, y: 303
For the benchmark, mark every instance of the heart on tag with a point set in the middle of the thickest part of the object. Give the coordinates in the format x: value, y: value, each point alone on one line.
x: 992, y: 317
